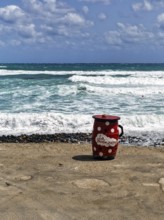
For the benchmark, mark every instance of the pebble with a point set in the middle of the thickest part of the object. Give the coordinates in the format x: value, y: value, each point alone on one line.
x: 161, y: 182
x: 24, y: 178
x: 90, y: 183
x: 150, y: 184
x: 8, y: 184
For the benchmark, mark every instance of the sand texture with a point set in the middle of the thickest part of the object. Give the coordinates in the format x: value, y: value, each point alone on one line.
x: 55, y: 181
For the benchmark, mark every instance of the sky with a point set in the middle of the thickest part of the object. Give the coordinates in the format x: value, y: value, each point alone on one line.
x: 82, y: 31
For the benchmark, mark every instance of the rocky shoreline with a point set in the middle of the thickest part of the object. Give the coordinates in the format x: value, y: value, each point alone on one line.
x: 38, y: 138
x: 73, y: 138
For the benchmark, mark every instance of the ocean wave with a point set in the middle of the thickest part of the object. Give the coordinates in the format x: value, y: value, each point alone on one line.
x: 146, y: 130
x: 66, y: 90
x: 3, y: 67
x: 144, y: 123
x: 4, y: 72
x: 108, y: 80
x: 116, y: 73
x: 44, y: 123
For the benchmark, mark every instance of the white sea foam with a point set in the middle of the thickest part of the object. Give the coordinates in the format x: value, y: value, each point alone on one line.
x: 43, y: 123
x: 108, y: 80
x: 49, y: 123
x: 102, y: 90
x: 65, y: 90
x: 143, y: 123
x: 4, y: 72
x: 117, y: 73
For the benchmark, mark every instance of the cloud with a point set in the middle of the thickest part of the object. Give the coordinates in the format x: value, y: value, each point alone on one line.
x: 160, y: 20
x: 11, y: 13
x: 41, y: 21
x: 85, y: 9
x: 113, y: 38
x: 97, y: 1
x: 128, y: 34
x: 102, y: 16
x: 157, y: 3
x: 73, y: 19
x: 40, y: 8
x: 27, y: 32
x: 147, y: 5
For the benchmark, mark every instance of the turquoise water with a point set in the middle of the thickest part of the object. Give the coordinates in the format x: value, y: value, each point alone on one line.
x: 50, y: 98
x: 84, y: 67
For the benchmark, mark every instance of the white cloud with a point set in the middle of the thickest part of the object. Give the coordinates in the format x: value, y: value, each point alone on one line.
x: 158, y: 3
x: 11, y: 13
x: 102, y: 16
x: 160, y: 39
x: 148, y: 5
x: 128, y: 34
x: 145, y: 5
x: 137, y: 6
x: 135, y: 33
x: 160, y: 20
x: 55, y: 12
x: 97, y: 1
x: 40, y: 21
x: 85, y: 9
x: 27, y: 31
x: 15, y: 42
x: 73, y: 19
x: 113, y: 38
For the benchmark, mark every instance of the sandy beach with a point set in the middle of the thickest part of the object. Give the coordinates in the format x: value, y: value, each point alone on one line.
x: 62, y: 182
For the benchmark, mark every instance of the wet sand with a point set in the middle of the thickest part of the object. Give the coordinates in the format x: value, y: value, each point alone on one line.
x: 62, y: 181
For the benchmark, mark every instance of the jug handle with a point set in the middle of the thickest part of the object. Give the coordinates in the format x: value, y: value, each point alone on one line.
x: 122, y: 130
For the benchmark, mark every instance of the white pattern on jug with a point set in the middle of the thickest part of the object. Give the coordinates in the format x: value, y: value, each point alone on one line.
x: 103, y: 140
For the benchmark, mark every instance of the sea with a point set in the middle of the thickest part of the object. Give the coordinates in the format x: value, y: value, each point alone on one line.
x: 62, y: 98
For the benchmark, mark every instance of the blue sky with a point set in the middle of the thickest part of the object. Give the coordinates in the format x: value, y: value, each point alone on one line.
x: 67, y: 31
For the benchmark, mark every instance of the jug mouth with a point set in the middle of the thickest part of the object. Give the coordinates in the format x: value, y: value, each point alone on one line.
x: 105, y: 117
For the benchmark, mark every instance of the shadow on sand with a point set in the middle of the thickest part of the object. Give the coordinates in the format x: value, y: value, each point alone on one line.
x: 83, y: 157
x: 90, y: 158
